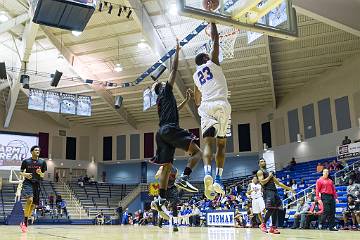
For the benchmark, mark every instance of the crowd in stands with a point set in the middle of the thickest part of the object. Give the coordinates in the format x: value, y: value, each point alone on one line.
x: 308, y: 212
x: 86, y: 180
x: 55, y: 207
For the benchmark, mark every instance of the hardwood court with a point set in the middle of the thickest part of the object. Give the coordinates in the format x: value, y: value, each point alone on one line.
x: 70, y: 232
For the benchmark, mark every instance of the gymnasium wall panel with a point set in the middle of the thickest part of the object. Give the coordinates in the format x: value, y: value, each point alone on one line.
x: 357, y: 106
x: 279, y: 131
x: 57, y: 147
x: 71, y: 148
x: 293, y: 123
x: 342, y: 113
x: 84, y: 148
x: 266, y: 134
x: 244, y: 137
x: 325, y: 120
x: 134, y: 146
x: 148, y: 145
x: 309, y: 121
x: 44, y: 144
x: 121, y: 147
x: 107, y: 148
x: 230, y: 142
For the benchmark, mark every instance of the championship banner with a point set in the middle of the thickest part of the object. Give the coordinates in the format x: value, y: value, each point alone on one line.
x: 220, y: 218
x: 348, y: 151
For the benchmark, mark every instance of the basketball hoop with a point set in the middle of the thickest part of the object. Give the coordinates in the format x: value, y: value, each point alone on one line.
x: 19, y: 180
x: 227, y: 39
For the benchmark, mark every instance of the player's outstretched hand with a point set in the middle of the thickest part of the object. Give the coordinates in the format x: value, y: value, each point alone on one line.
x: 38, y: 171
x: 189, y: 94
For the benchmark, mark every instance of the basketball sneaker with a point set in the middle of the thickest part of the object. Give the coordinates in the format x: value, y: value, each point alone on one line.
x: 159, y: 205
x: 274, y: 230
x: 183, y: 183
x: 23, y: 227
x: 218, y: 186
x: 263, y: 228
x: 209, y: 190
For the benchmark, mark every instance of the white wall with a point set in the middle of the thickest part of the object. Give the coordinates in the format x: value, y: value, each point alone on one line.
x: 337, y: 83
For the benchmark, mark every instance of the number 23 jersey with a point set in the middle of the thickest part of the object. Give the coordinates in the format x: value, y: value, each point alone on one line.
x: 210, y: 80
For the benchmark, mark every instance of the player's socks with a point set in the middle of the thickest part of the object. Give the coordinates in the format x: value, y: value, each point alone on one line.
x: 183, y: 183
x: 218, y: 186
x: 207, y: 169
x: 26, y: 221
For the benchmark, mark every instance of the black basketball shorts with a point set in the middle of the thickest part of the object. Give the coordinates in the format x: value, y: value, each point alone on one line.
x: 31, y: 189
x: 272, y: 199
x: 168, y: 138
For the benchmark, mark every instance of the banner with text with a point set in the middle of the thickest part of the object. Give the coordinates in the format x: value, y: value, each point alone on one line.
x: 220, y: 218
x: 348, y: 151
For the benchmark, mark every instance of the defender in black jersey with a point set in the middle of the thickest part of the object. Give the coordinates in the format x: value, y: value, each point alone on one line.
x: 271, y: 196
x: 170, y: 136
x: 33, y: 170
x: 173, y: 195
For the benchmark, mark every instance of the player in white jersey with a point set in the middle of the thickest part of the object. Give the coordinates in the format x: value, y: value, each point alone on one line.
x: 257, y: 201
x: 211, y: 93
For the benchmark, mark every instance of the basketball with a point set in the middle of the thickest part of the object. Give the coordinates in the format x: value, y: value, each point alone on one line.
x: 210, y: 5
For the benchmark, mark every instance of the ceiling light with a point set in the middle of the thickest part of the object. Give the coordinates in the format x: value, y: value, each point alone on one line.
x: 173, y: 10
x: 142, y: 45
x: 3, y: 17
x: 76, y: 33
x: 118, y: 67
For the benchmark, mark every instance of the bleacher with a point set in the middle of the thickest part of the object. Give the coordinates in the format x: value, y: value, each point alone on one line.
x: 307, y: 172
x: 7, y: 196
x: 101, y: 196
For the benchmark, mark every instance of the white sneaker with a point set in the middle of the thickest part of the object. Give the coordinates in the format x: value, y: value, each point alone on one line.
x: 208, y: 185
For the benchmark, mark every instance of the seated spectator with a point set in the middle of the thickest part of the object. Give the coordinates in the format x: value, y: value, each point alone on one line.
x: 346, y: 141
x: 100, y: 218
x: 353, y: 189
x: 63, y: 209
x: 352, y: 212
x: 319, y: 168
x: 300, y: 214
x: 314, y: 213
x: 92, y: 180
x: 86, y: 179
x: 302, y: 184
x: 81, y: 181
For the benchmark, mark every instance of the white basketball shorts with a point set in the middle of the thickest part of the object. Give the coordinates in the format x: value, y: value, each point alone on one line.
x: 258, y: 205
x: 215, y: 114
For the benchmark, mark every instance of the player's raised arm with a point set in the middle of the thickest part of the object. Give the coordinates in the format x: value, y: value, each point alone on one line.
x: 197, y: 96
x: 216, y: 45
x: 280, y: 184
x: 174, y: 65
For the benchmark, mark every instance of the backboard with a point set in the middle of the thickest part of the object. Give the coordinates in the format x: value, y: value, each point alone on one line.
x: 270, y: 17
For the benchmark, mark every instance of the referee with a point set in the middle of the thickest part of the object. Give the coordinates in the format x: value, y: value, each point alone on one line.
x: 326, y: 193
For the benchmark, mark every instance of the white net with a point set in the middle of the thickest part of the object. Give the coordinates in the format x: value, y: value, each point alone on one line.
x: 227, y: 39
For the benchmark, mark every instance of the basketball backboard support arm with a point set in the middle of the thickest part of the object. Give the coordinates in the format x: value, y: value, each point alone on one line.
x: 228, y: 20
x: 19, y: 180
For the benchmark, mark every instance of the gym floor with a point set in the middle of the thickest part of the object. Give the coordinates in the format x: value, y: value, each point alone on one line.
x: 71, y: 232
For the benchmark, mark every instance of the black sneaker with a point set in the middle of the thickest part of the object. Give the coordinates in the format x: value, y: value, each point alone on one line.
x: 333, y: 229
x: 175, y: 228
x: 183, y: 183
x: 159, y: 205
